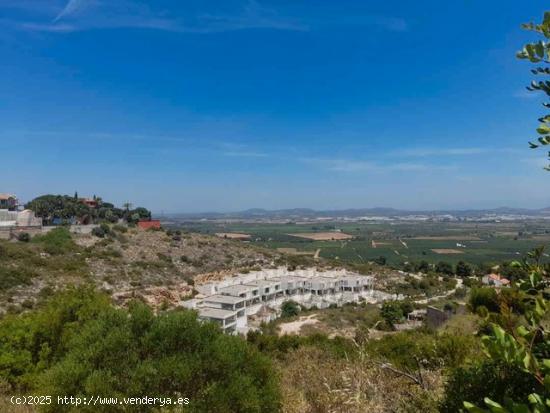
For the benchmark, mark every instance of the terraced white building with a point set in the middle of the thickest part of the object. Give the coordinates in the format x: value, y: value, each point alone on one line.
x: 238, y: 302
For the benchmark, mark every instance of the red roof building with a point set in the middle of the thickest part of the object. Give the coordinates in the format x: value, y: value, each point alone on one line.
x: 148, y: 224
x: 8, y: 201
x: 92, y: 203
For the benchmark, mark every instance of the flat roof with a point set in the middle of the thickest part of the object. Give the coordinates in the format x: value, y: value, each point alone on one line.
x: 237, y: 289
x: 224, y: 299
x: 288, y: 278
x: 324, y: 279
x: 216, y: 313
x: 352, y: 278
x: 263, y: 283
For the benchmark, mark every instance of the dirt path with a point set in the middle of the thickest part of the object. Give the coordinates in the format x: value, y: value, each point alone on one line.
x: 294, y: 326
x: 438, y: 297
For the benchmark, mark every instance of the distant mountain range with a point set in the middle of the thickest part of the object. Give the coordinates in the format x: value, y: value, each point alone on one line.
x: 303, y: 213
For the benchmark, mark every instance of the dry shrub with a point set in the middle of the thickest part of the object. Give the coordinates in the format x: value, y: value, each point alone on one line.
x: 313, y: 381
x: 7, y: 407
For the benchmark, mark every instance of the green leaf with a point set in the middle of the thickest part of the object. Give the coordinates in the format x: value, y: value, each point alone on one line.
x: 539, y: 49
x: 534, y: 398
x: 539, y: 307
x: 472, y: 408
x: 522, y: 331
x: 494, y: 406
x: 527, y: 361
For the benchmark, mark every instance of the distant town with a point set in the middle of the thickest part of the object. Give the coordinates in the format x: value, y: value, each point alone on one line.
x: 372, y: 214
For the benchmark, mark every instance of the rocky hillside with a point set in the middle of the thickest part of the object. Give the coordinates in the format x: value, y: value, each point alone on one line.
x: 156, y: 266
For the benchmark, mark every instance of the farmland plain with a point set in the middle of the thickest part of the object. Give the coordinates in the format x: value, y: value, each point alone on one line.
x: 397, y: 241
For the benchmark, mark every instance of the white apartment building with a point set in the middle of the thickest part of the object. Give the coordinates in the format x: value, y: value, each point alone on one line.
x: 260, y: 294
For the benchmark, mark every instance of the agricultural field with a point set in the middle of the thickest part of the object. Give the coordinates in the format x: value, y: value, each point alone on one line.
x: 398, y: 242
x: 323, y: 236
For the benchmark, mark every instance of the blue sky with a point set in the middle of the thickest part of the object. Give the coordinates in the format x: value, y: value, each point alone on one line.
x: 227, y: 105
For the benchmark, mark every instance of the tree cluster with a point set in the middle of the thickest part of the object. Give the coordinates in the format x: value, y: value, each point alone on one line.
x: 54, y: 209
x: 79, y: 345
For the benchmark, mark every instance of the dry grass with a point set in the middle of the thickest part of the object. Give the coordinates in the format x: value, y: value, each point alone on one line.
x: 233, y: 235
x: 314, y: 382
x: 7, y: 407
x: 294, y: 251
x: 295, y: 327
x: 376, y: 244
x: 447, y: 251
x: 449, y: 238
x: 322, y: 236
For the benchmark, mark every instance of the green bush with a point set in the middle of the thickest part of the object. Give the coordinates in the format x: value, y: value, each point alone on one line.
x: 24, y: 237
x: 120, y: 228
x: 57, y: 241
x: 98, y: 232
x: 433, y: 350
x: 79, y: 345
x: 381, y: 260
x: 463, y: 269
x: 279, y: 346
x: 496, y: 380
x: 484, y: 297
x: 407, y: 307
x: 391, y: 312
x: 472, y: 282
x: 443, y: 267
x: 290, y: 309
x: 105, y: 227
x: 12, y: 277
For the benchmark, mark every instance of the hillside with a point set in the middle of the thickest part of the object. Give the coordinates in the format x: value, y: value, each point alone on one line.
x: 157, y: 266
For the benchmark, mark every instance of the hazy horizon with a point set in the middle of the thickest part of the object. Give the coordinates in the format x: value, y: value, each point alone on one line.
x: 343, y: 209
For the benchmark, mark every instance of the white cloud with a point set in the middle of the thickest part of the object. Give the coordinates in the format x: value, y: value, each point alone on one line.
x: 394, y: 24
x: 53, y: 28
x: 246, y: 154
x: 353, y: 165
x: 79, y: 15
x: 72, y: 8
x: 425, y: 152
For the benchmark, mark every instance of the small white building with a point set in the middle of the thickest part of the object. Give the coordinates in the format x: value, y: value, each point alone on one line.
x: 15, y: 222
x: 268, y: 289
x: 226, y: 319
x: 495, y: 280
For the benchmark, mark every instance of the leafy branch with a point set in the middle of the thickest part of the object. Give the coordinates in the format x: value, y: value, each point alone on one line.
x: 526, y: 346
x: 539, y: 53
